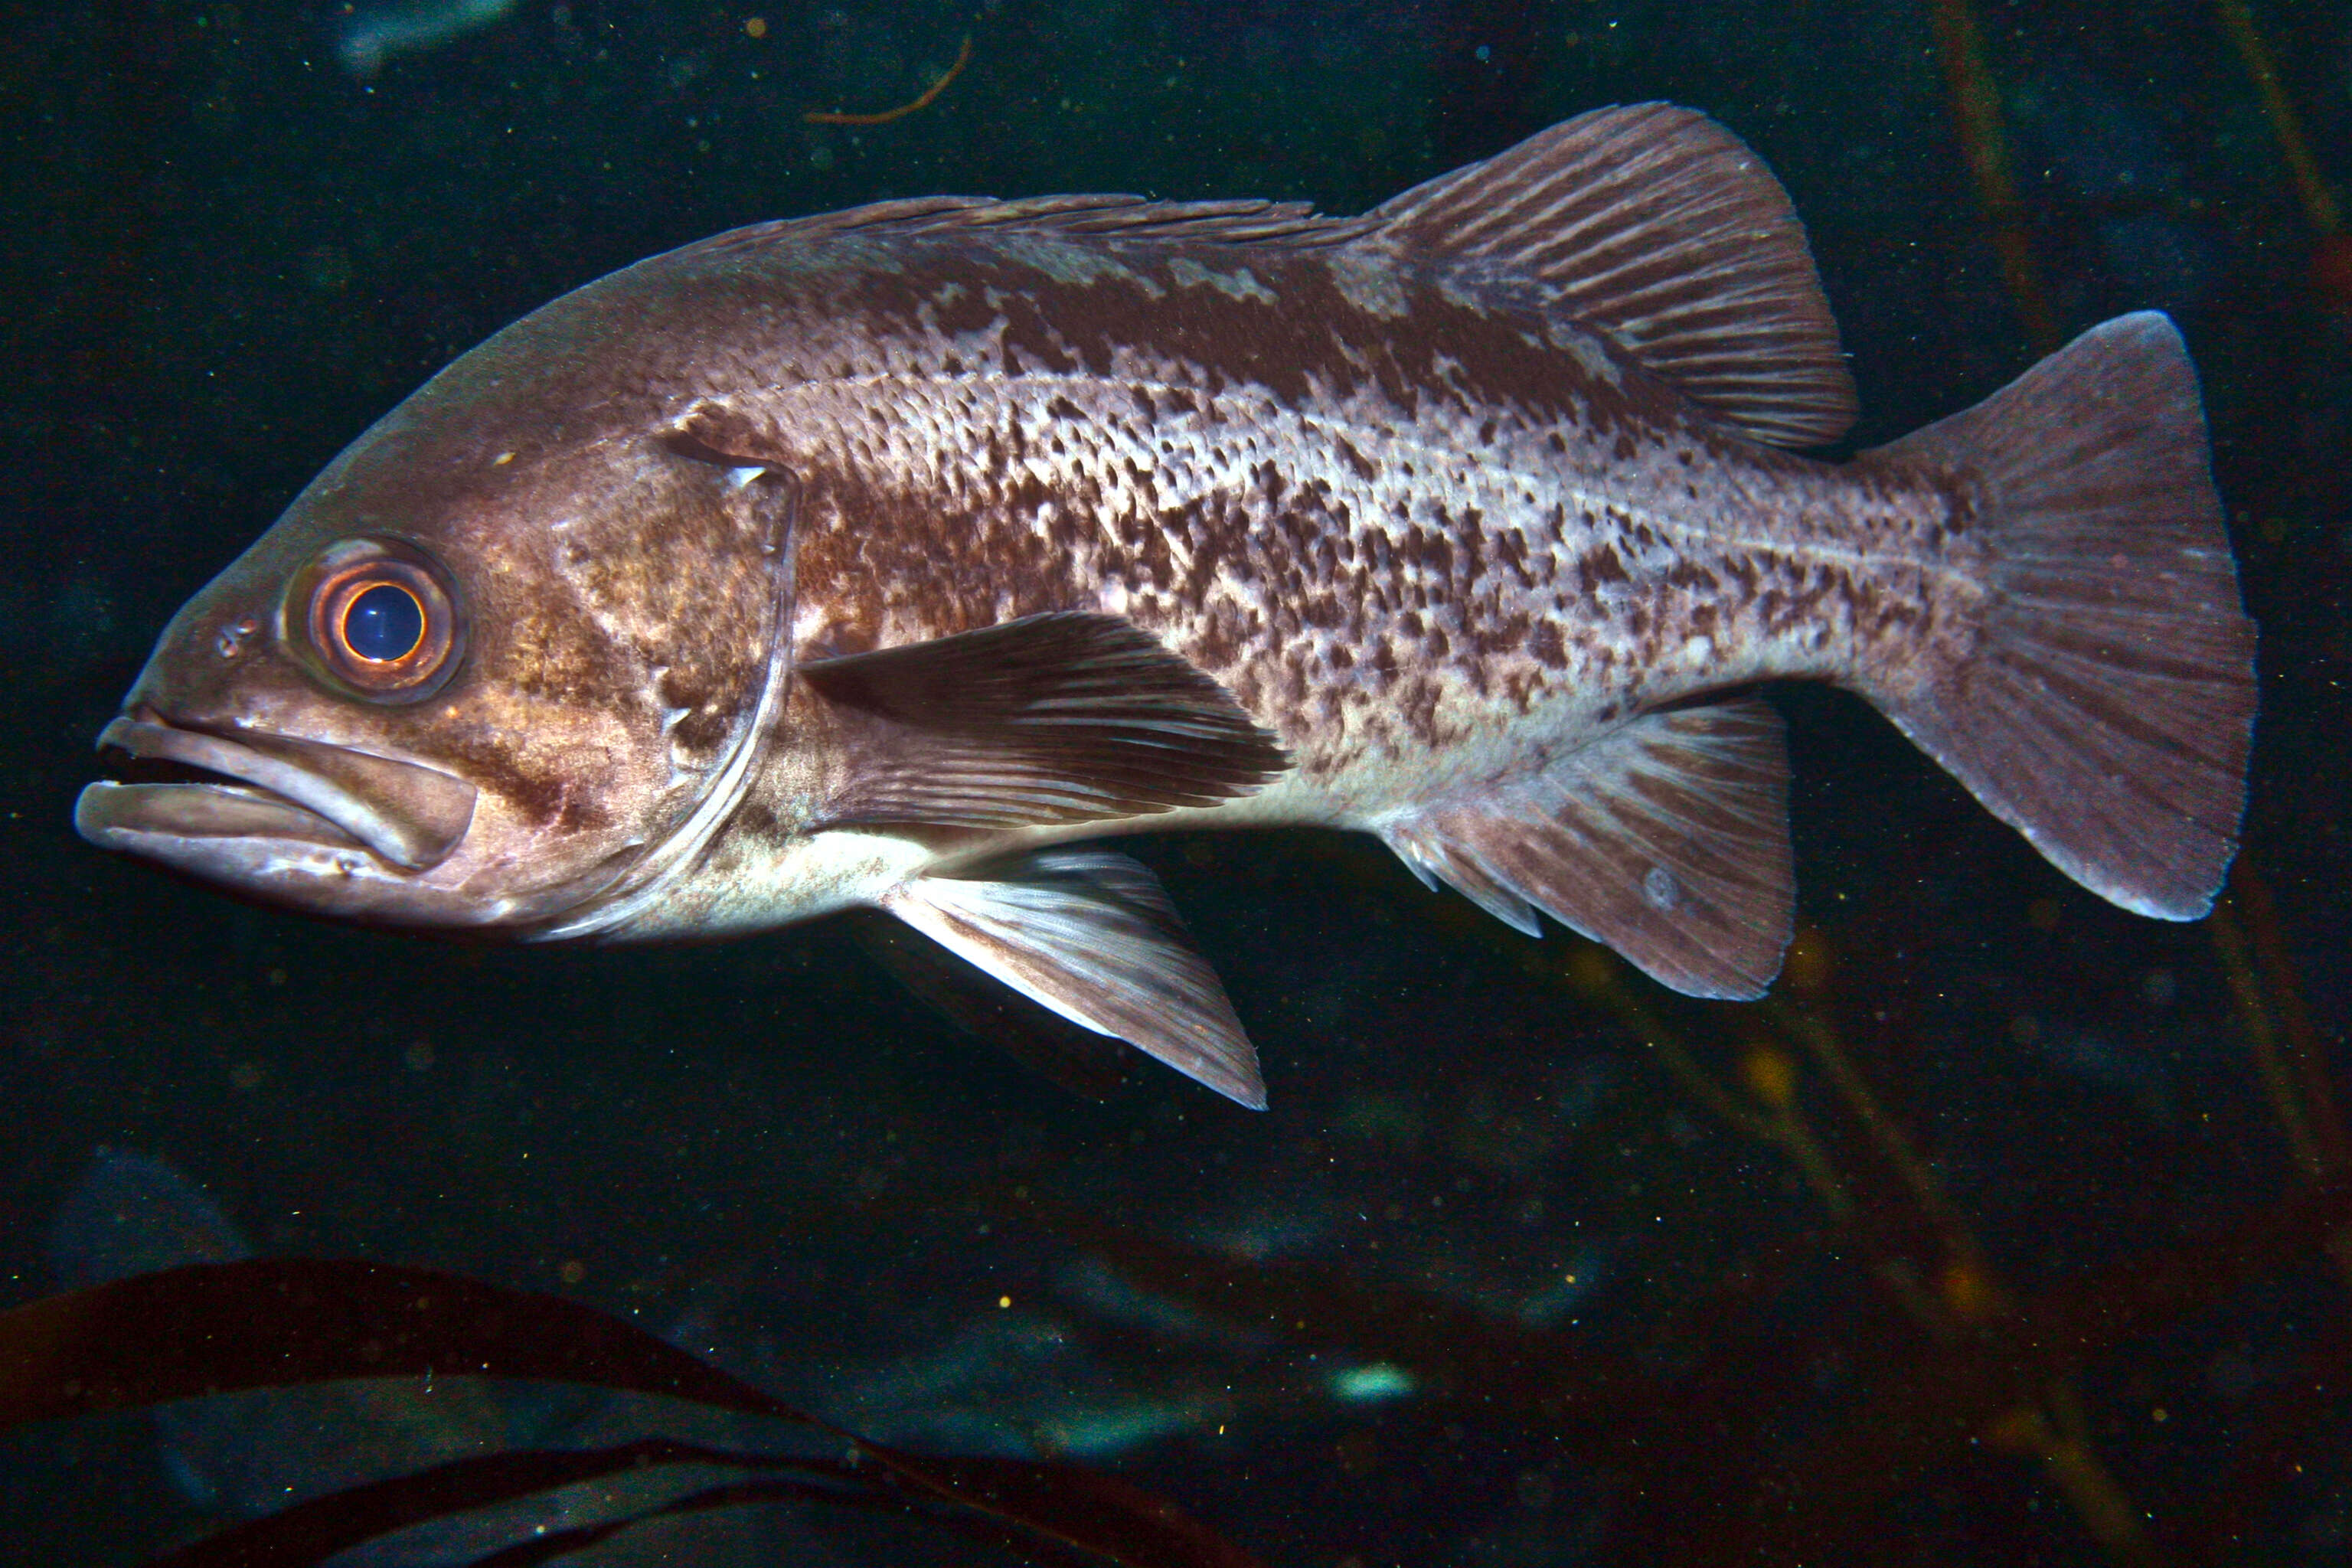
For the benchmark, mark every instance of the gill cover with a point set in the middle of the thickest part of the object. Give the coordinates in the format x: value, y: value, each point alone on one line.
x: 763, y: 503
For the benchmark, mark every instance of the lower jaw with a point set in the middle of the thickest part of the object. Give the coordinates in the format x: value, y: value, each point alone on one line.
x: 255, y: 846
x: 201, y: 812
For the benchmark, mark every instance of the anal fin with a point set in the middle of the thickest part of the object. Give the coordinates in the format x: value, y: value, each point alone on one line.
x: 1667, y: 839
x: 1092, y: 936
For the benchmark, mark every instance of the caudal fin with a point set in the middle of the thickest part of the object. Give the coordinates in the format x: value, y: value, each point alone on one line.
x: 2107, y: 707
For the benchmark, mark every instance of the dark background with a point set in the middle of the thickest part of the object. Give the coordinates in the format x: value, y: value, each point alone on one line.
x: 226, y: 254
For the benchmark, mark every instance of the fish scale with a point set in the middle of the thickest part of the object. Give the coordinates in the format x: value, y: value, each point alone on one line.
x: 1402, y: 615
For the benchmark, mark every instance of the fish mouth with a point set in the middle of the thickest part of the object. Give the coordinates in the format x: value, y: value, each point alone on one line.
x: 184, y: 782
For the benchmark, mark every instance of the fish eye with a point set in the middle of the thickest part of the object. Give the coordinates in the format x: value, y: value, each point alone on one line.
x: 379, y: 618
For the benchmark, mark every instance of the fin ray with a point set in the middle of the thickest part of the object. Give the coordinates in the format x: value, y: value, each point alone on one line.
x: 1667, y: 840
x: 1049, y: 719
x: 1662, y: 230
x: 2106, y: 707
x: 1093, y: 937
x: 1082, y: 1061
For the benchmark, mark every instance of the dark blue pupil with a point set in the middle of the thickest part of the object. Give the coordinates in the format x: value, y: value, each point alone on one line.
x: 385, y: 623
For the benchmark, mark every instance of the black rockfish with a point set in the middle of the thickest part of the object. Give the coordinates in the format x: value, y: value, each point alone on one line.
x: 875, y: 558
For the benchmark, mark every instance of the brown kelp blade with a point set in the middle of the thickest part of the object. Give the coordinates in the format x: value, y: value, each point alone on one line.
x: 974, y: 1528
x: 1003, y: 1502
x: 214, y: 1328
x: 218, y: 1328
x: 318, y: 1528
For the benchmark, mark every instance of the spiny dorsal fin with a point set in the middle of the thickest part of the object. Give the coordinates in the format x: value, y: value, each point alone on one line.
x: 1661, y: 229
x: 1053, y: 718
x: 1092, y: 936
x: 1667, y: 839
x: 1100, y: 216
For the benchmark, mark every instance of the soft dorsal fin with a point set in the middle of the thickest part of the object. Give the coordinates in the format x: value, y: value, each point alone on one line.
x: 1662, y: 230
x: 1048, y: 718
x: 1667, y: 839
x: 1092, y: 936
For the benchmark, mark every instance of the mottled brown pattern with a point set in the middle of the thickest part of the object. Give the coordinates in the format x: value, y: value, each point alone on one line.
x: 1359, y: 523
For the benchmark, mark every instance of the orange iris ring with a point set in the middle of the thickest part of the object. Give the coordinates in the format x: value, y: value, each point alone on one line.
x: 336, y: 581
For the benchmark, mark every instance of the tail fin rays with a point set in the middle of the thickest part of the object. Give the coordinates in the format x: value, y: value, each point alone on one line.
x: 2107, y: 709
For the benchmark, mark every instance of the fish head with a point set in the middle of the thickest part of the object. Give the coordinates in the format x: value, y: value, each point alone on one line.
x: 486, y: 671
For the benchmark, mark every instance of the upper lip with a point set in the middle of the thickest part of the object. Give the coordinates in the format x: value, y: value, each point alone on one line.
x: 410, y: 816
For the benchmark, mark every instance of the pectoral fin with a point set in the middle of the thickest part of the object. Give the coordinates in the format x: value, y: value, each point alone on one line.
x: 1049, y: 719
x: 1093, y: 937
x: 1668, y: 840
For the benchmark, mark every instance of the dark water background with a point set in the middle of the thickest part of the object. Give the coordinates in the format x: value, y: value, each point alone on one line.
x: 226, y: 254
